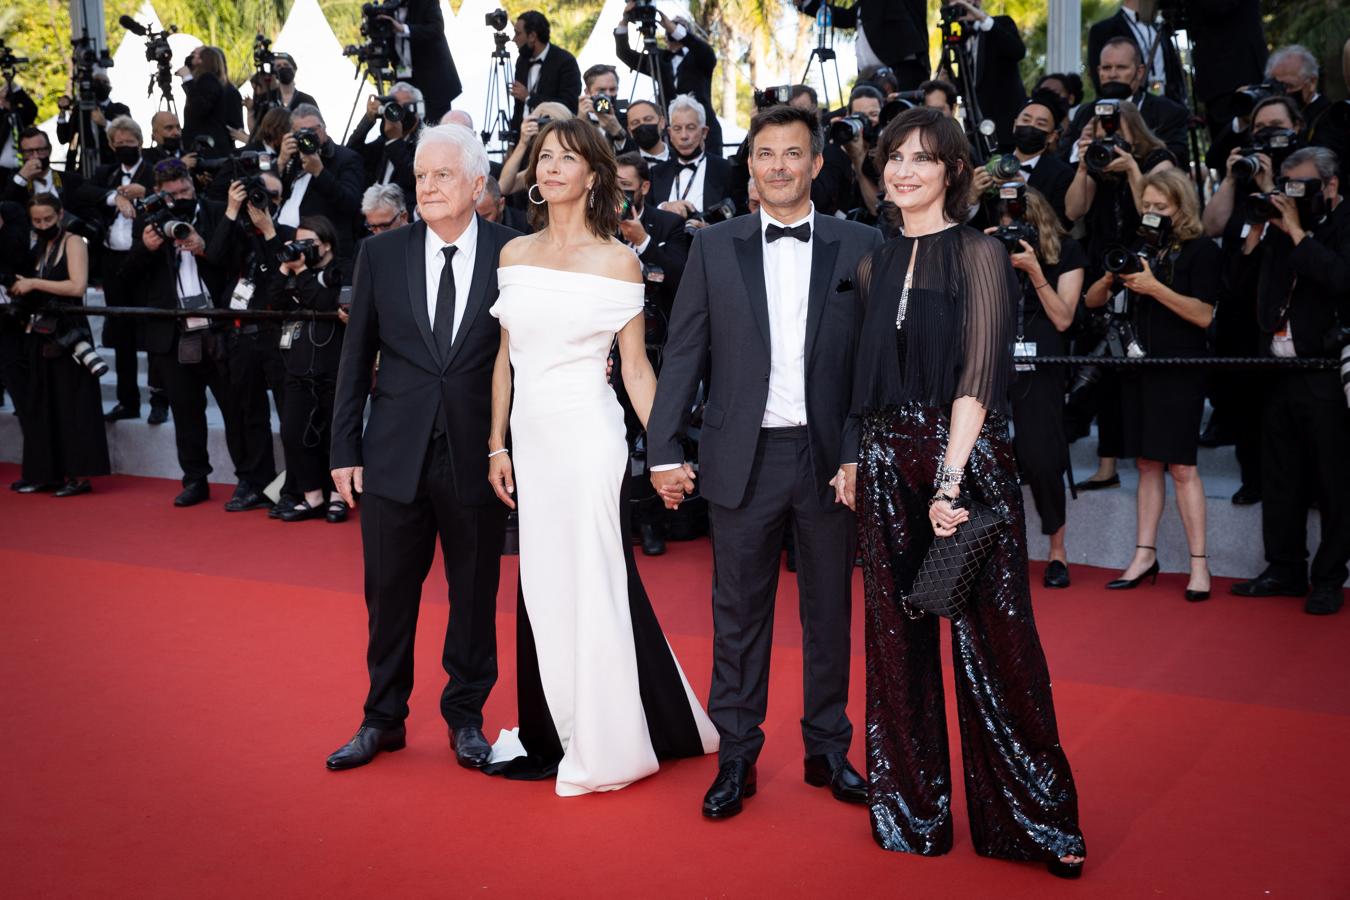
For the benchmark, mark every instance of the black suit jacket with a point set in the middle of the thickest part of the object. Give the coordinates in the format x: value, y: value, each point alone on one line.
x: 1229, y: 45
x: 377, y: 154
x: 1317, y: 272
x: 896, y: 29
x: 1052, y: 177
x: 559, y: 81
x: 998, y: 82
x: 67, y: 185
x: 155, y: 271
x: 433, y: 68
x: 211, y: 109
x: 716, y: 182
x: 335, y: 194
x: 68, y: 130
x: 720, y: 332
x: 416, y: 386
x: 693, y: 77
x: 92, y: 196
x: 668, y: 249
x: 1118, y: 26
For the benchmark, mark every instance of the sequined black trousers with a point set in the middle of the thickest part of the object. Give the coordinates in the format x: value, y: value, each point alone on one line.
x: 1019, y: 791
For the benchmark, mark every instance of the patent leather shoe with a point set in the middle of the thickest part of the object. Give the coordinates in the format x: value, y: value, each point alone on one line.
x: 337, y: 511
x: 1267, y: 585
x: 34, y: 487
x: 472, y: 751
x: 1129, y: 584
x: 159, y: 414
x: 74, y: 487
x: 735, y: 783
x: 1090, y: 484
x: 302, y: 512
x: 1061, y: 869
x: 120, y: 412
x: 246, y: 498
x: 833, y: 769
x: 194, y: 492
x: 1056, y: 575
x: 1325, y: 600
x: 653, y: 542
x: 364, y: 746
x: 1247, y: 496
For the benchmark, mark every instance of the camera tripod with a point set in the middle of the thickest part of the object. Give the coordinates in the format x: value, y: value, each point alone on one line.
x: 822, y: 53
x: 365, y: 71
x: 1166, y: 23
x: 496, y: 121
x: 649, y: 65
x: 956, y: 51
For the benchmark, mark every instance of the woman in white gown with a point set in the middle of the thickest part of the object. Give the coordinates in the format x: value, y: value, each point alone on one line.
x: 601, y: 695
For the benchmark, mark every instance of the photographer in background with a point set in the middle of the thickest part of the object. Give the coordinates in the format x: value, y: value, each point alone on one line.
x: 166, y: 140
x: 1303, y: 299
x: 18, y: 112
x: 1171, y: 274
x: 309, y: 279
x: 64, y: 442
x: 493, y: 207
x: 383, y: 208
x: 1295, y: 69
x: 996, y: 49
x: 35, y: 174
x: 692, y: 180
x: 319, y: 178
x: 1228, y: 49
x: 1162, y: 68
x: 832, y: 188
x: 512, y: 177
x: 544, y: 72
x: 658, y: 237
x: 213, y: 108
x: 15, y: 237
x: 599, y: 104
x: 1122, y: 75
x: 388, y: 159
x: 864, y: 113
x: 281, y: 91
x: 940, y: 94
x: 647, y: 125
x: 1035, y: 140
x: 1051, y: 268
x: 112, y: 191
x: 424, y: 55
x: 685, y: 65
x: 104, y: 111
x: 891, y: 33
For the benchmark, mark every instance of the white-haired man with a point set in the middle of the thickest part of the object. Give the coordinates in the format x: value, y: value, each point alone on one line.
x: 692, y: 180
x: 420, y: 298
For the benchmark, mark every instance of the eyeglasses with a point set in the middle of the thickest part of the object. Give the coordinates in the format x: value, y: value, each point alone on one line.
x: 377, y: 227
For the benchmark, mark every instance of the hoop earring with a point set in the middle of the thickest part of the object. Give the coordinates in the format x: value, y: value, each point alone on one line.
x: 530, y: 194
x: 591, y: 202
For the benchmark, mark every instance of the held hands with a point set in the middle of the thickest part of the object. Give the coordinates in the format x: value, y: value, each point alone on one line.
x: 845, y: 484
x: 500, y: 476
x: 349, y: 482
x: 1144, y: 282
x: 673, y: 485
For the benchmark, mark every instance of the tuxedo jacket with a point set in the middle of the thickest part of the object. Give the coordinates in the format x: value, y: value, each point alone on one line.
x: 68, y: 130
x: 92, y: 196
x: 1119, y: 26
x: 1228, y: 44
x: 376, y: 156
x: 1052, y: 177
x: 334, y: 194
x: 417, y: 383
x: 895, y: 29
x: 719, y: 333
x: 998, y: 82
x: 693, y: 77
x: 559, y: 80
x: 433, y: 68
x: 668, y: 249
x: 716, y: 181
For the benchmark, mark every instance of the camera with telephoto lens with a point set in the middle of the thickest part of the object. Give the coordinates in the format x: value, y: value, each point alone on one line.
x: 1246, y: 98
x: 1154, y: 233
x: 392, y: 111
x: 9, y: 63
x: 1002, y: 167
x: 307, y: 141
x: 1013, y: 195
x: 259, y: 197
x: 294, y: 251
x: 778, y: 95
x: 1102, y: 152
x: 850, y: 128
x: 72, y: 336
x: 245, y: 162
x: 156, y: 204
x: 1276, y: 143
x: 719, y: 212
x: 171, y: 229
x: 378, y: 52
x: 603, y: 104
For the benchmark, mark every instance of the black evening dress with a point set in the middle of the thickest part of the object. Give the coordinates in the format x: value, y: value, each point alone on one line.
x: 955, y: 342
x: 1162, y: 408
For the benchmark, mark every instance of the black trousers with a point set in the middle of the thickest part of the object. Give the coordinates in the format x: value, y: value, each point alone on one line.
x: 1306, y: 446
x: 1039, y: 442
x: 399, y: 543
x: 747, y: 552
x: 187, y: 385
x: 306, y: 417
x: 246, y: 375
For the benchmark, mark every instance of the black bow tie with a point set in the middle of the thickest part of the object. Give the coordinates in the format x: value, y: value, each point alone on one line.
x: 688, y: 166
x: 1027, y: 168
x: 801, y: 232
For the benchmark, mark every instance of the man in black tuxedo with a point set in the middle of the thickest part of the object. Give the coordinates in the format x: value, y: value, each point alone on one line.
x: 420, y: 300
x: 768, y: 314
x: 692, y: 180
x: 685, y: 65
x: 104, y: 111
x: 1123, y: 76
x: 658, y: 237
x: 17, y: 113
x: 544, y: 71
x: 996, y: 47
x: 325, y: 183
x: 647, y: 125
x: 424, y: 56
x: 1162, y: 64
x: 35, y: 175
x: 891, y: 33
x: 388, y: 159
x: 1034, y: 139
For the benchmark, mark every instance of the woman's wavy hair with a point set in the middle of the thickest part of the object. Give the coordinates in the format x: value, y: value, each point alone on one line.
x: 1180, y: 192
x: 942, y: 137
x: 1041, y: 215
x: 582, y: 138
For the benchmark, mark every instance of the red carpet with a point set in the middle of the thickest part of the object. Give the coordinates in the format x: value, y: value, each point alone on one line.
x: 174, y: 679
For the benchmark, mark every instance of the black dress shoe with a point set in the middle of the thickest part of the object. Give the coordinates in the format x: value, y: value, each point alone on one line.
x: 158, y: 415
x: 735, y: 782
x: 1247, y: 496
x: 1267, y: 585
x: 284, y: 502
x: 194, y: 492
x: 653, y: 542
x: 120, y: 412
x: 472, y: 751
x: 36, y: 487
x: 1325, y: 600
x: 302, y: 513
x: 1056, y: 575
x: 368, y: 741
x: 247, y: 499
x: 337, y: 511
x: 834, y: 769
x: 73, y: 488
x: 1091, y: 485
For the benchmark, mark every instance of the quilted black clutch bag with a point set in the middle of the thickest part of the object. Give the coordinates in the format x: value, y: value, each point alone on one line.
x: 951, y: 565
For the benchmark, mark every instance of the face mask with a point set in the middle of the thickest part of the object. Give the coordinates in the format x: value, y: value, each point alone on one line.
x: 127, y: 156
x: 46, y: 235
x: 184, y: 209
x: 286, y: 76
x: 1029, y: 139
x: 102, y: 91
x: 1115, y: 90
x: 171, y: 144
x: 647, y: 136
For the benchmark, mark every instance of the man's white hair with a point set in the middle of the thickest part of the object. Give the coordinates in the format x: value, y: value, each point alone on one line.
x: 387, y: 195
x: 470, y: 147
x: 1308, y: 66
x: 409, y: 88
x: 126, y: 125
x: 688, y: 103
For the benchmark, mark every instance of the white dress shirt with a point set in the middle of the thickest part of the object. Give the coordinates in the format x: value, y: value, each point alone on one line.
x: 787, y: 280
x: 689, y: 185
x: 290, y: 210
x: 1145, y: 35
x: 536, y: 66
x: 119, y: 235
x: 461, y: 264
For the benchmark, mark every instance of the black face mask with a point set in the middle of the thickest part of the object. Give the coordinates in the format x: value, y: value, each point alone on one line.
x: 1029, y: 139
x: 185, y: 209
x: 171, y: 144
x: 1115, y: 90
x: 647, y: 136
x: 102, y: 91
x: 286, y: 76
x: 127, y: 156
x: 47, y: 235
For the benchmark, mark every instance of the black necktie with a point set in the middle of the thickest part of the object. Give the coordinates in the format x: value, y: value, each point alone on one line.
x: 443, y: 327
x: 801, y: 232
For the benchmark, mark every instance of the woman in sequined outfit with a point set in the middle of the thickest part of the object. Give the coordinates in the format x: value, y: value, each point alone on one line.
x: 931, y: 390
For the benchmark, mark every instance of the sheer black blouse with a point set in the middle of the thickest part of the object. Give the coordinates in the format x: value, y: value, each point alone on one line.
x: 958, y: 323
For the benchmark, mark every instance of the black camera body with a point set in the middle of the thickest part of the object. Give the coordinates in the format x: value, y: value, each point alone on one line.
x: 850, y: 128
x: 954, y: 30
x: 1013, y: 196
x: 259, y: 197
x: 1305, y: 192
x: 393, y: 111
x: 1276, y: 143
x: 778, y: 95
x: 1153, y: 236
x: 719, y: 212
x: 1246, y: 98
x: 603, y: 104
x: 154, y: 204
x: 497, y: 20
x: 294, y: 251
x: 307, y: 141
x: 9, y: 63
x: 245, y: 162
x: 262, y: 53
x: 1102, y: 152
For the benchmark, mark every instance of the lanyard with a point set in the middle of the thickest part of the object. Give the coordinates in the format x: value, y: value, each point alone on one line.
x: 692, y: 175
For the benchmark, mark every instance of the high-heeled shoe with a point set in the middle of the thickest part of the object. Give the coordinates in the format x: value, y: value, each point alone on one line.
x: 1129, y: 584
x: 1061, y: 869
x: 1197, y: 596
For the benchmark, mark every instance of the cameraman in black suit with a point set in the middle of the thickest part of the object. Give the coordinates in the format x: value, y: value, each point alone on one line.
x: 685, y: 65
x: 1035, y: 139
x: 424, y: 56
x: 389, y: 158
x: 1228, y: 50
x: 544, y: 71
x: 658, y: 237
x: 18, y: 112
x: 1123, y: 76
x: 1163, y: 67
x: 692, y: 180
x: 996, y: 48
x: 104, y: 111
x: 319, y: 178
x: 890, y: 33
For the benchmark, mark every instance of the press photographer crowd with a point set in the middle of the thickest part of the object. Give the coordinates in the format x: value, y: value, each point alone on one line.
x: 1182, y: 202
